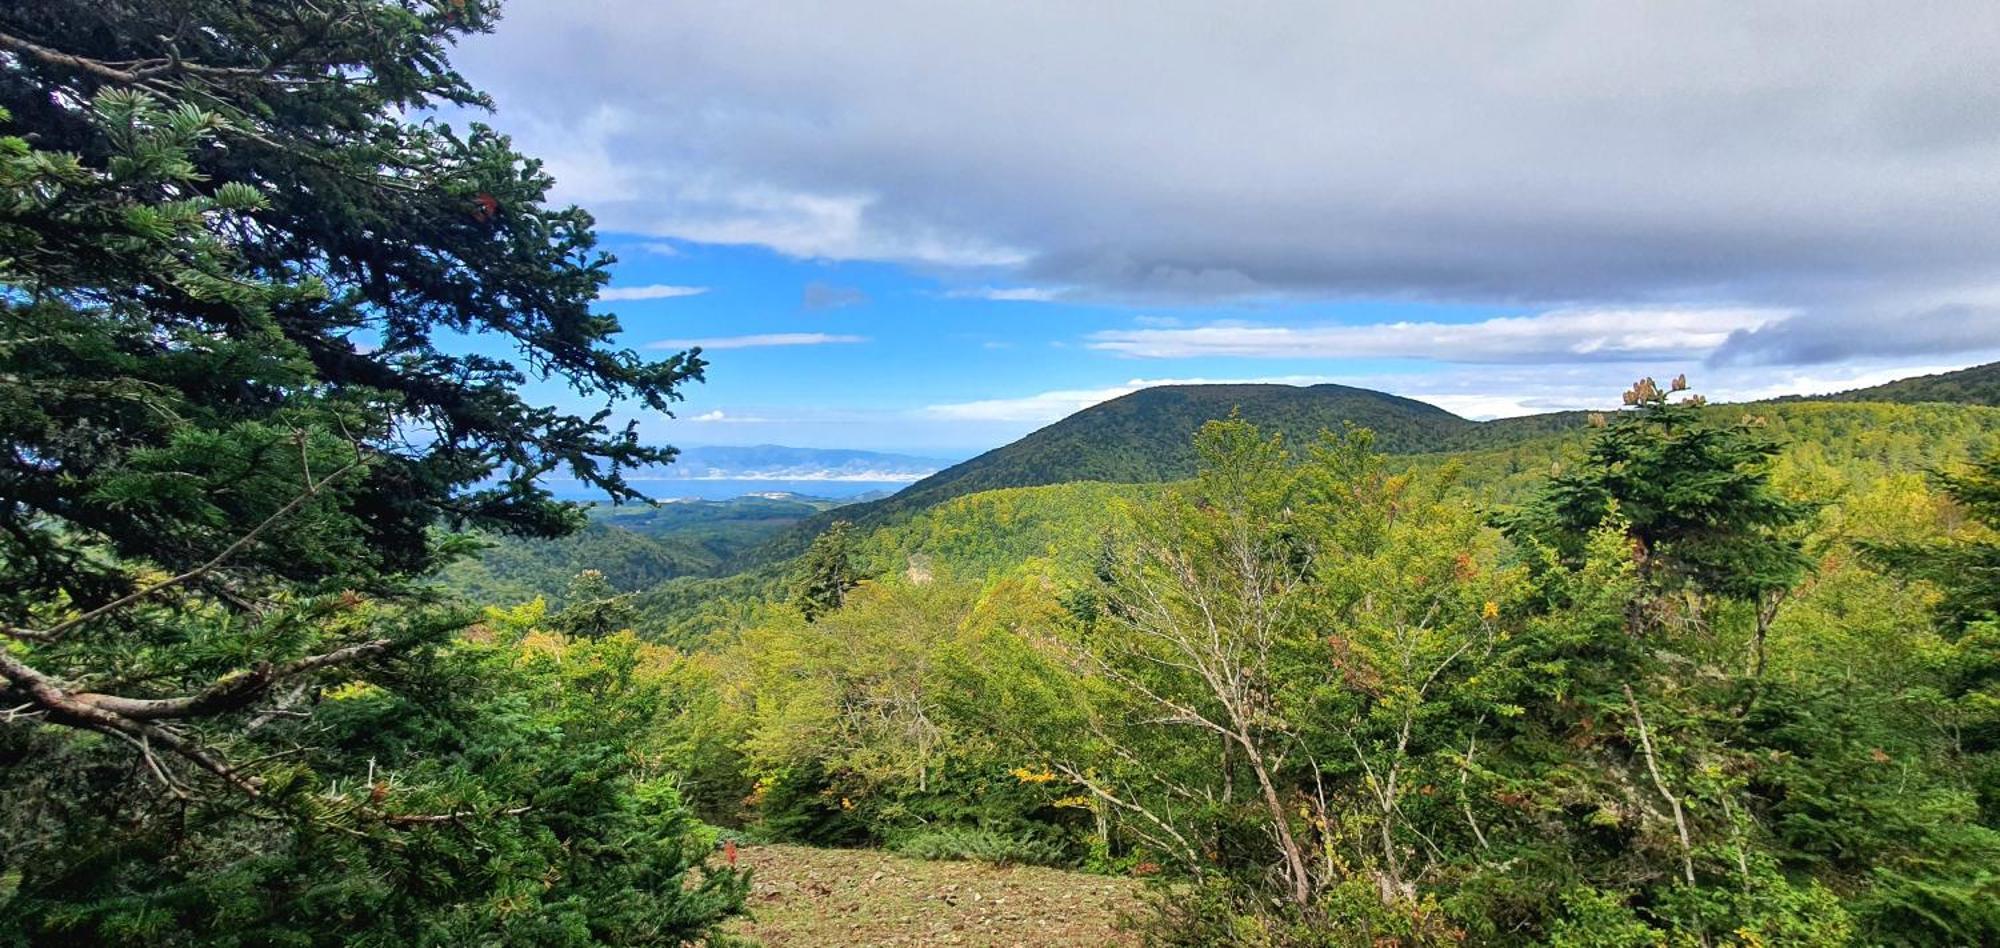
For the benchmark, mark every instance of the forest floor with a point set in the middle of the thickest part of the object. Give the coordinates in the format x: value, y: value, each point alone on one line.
x: 810, y: 897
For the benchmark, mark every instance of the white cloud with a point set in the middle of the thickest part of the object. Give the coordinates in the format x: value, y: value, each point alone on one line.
x: 1014, y: 294
x: 651, y: 291
x: 660, y: 248
x: 1506, y: 391
x: 1562, y: 335
x: 758, y: 341
x: 1049, y: 406
x: 718, y: 416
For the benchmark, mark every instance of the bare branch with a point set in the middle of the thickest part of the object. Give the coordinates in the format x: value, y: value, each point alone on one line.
x: 1660, y: 783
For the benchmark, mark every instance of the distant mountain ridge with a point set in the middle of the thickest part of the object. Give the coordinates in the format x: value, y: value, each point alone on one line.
x: 771, y: 462
x: 1147, y: 436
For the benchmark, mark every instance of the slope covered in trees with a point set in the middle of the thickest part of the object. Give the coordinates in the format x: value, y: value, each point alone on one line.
x: 1676, y: 674
x: 1722, y: 674
x: 1979, y: 385
x: 636, y: 547
x: 1142, y: 437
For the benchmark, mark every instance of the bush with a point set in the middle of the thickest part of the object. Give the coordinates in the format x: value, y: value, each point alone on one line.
x: 981, y: 845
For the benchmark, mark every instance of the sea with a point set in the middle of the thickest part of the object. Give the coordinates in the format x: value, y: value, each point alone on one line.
x: 720, y: 489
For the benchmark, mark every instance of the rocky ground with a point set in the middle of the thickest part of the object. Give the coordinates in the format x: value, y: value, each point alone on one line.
x: 815, y: 897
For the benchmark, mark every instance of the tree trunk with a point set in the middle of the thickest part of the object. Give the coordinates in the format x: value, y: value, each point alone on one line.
x: 1281, y: 825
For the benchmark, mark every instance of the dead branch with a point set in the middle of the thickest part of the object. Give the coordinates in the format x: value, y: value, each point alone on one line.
x: 427, y: 819
x: 1660, y: 783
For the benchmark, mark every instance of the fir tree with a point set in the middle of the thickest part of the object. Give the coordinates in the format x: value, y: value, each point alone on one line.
x: 592, y: 609
x: 1694, y: 497
x: 826, y: 572
x: 229, y: 258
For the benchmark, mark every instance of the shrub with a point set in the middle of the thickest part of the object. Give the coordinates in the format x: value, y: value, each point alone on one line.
x: 981, y: 845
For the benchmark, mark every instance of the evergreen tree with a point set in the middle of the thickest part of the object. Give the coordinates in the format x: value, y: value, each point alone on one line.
x: 1694, y: 498
x: 1966, y: 572
x: 826, y: 572
x: 230, y: 259
x: 592, y: 609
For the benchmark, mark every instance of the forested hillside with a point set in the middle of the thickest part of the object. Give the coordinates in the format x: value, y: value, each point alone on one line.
x: 1831, y: 441
x: 1141, y: 437
x: 1144, y: 437
x: 635, y: 547
x: 1979, y: 385
x: 1691, y: 672
x: 950, y: 698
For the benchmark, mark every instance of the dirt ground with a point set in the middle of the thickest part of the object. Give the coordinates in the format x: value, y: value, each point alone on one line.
x: 839, y: 897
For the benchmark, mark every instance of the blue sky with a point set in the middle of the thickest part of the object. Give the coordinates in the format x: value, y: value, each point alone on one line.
x: 933, y: 229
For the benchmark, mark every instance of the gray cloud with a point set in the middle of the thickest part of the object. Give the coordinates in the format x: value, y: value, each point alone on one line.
x: 1836, y: 337
x: 1824, y: 159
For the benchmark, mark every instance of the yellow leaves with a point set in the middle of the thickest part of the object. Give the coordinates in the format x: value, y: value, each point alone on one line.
x: 1075, y: 802
x: 1025, y: 775
x: 1490, y: 611
x: 351, y: 691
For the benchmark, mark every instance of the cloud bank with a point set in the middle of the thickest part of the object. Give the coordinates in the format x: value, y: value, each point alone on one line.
x: 656, y: 291
x: 1828, y: 162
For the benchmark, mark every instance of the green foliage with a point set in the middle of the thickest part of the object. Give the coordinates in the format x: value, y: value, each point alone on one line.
x: 637, y: 547
x: 981, y: 845
x: 826, y: 573
x: 1968, y: 571
x: 232, y: 258
x: 1062, y: 526
x: 1465, y: 739
x: 592, y: 609
x: 486, y: 792
x: 1694, y: 498
x: 1147, y: 437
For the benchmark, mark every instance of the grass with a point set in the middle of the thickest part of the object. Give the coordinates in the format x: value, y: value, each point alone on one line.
x: 810, y: 897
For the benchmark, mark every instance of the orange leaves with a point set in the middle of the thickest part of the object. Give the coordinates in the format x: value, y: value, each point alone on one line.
x: 1354, y: 669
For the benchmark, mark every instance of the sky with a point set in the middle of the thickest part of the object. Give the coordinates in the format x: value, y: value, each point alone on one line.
x: 934, y: 227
